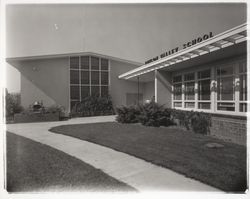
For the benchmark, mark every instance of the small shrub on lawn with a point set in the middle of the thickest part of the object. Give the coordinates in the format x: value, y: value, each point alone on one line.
x: 128, y: 114
x: 199, y: 122
x: 149, y: 114
x: 93, y: 106
x: 152, y: 114
x: 13, y: 104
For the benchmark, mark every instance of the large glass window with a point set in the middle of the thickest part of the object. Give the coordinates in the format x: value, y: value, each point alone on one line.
x: 225, y: 88
x: 220, y: 88
x: 87, y: 78
x: 204, y: 92
x: 243, y: 86
x: 177, y: 90
x: 189, y: 90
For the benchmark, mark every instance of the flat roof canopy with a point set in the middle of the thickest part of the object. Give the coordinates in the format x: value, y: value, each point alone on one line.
x: 229, y: 43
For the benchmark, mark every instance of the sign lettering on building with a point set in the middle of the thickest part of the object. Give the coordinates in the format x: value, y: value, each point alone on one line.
x: 185, y: 45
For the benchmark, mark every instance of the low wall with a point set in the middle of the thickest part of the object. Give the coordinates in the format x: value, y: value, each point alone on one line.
x: 233, y: 128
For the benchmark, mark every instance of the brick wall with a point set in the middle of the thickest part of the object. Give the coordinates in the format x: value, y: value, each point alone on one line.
x: 229, y: 128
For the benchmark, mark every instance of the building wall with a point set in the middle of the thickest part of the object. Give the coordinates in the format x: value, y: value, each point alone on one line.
x: 119, y: 87
x: 46, y: 81
x: 231, y: 128
x: 163, y: 81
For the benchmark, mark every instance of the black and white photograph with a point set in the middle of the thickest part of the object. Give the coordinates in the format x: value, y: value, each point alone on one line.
x: 125, y: 98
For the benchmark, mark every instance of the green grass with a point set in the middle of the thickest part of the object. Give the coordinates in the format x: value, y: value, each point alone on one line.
x: 179, y: 150
x: 32, y: 166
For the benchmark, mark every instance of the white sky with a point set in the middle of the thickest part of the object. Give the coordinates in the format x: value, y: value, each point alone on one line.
x: 135, y: 32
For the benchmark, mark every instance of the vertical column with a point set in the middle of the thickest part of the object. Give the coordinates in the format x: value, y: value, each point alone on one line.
x: 100, y: 77
x: 156, y: 86
x: 237, y: 87
x: 196, y: 90
x: 138, y: 89
x: 213, y: 86
x: 90, y: 93
x: 80, y: 81
x: 183, y: 91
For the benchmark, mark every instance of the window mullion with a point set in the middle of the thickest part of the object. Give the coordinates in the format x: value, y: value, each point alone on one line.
x: 196, y: 90
x: 213, y: 85
x: 236, y: 88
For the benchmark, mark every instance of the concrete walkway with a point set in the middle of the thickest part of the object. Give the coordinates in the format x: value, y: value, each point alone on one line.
x: 136, y: 172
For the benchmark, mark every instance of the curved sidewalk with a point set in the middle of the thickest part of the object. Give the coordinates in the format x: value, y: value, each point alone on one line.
x: 136, y: 172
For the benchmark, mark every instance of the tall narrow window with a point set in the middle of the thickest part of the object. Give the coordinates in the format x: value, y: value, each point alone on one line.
x: 243, y: 86
x: 189, y: 90
x: 88, y: 76
x: 225, y: 88
x: 204, y: 92
x: 177, y: 91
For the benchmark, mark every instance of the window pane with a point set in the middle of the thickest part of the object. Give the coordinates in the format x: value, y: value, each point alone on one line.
x: 85, y: 91
x: 95, y: 91
x: 105, y: 78
x: 104, y: 64
x: 104, y: 91
x: 204, y: 90
x: 189, y: 104
x: 74, y: 62
x: 94, y: 77
x: 243, y: 87
x: 204, y: 74
x: 225, y: 70
x: 84, y: 77
x: 74, y: 92
x: 243, y: 107
x: 177, y: 104
x: 204, y: 105
x: 74, y: 76
x: 225, y: 88
x: 85, y: 62
x: 243, y: 68
x: 189, y: 77
x: 177, y: 78
x: 177, y: 91
x: 189, y: 91
x: 73, y: 103
x: 226, y: 106
x: 94, y: 63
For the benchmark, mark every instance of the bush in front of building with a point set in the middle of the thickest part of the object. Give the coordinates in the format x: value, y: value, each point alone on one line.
x: 152, y: 114
x: 198, y: 122
x: 93, y: 106
x: 149, y: 114
x: 12, y: 104
x: 128, y: 114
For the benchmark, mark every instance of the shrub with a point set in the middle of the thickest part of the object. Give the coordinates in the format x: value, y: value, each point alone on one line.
x: 152, y: 114
x: 128, y: 114
x: 199, y: 122
x: 93, y: 106
x: 13, y: 104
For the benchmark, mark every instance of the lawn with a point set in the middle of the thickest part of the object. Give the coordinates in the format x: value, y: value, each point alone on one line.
x: 32, y: 166
x: 173, y: 148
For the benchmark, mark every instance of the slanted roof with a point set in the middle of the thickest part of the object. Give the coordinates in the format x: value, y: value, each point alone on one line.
x: 39, y: 57
x: 223, y: 40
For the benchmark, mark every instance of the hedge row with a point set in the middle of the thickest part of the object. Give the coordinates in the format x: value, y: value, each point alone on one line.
x: 152, y: 114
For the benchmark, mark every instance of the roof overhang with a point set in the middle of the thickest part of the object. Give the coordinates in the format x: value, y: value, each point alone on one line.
x: 220, y: 43
x: 54, y: 56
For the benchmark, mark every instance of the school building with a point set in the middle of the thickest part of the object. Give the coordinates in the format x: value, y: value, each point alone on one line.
x: 208, y: 74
